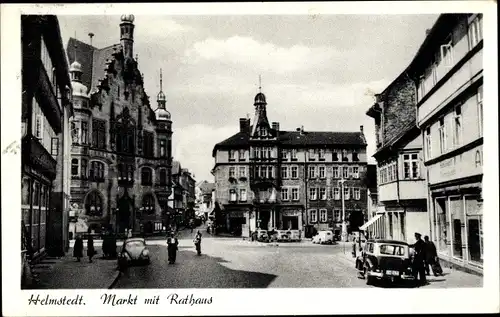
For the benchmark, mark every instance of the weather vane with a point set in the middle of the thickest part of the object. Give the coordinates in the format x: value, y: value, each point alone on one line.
x: 260, y: 84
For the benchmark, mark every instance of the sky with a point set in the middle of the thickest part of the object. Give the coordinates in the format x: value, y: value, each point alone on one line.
x: 318, y: 71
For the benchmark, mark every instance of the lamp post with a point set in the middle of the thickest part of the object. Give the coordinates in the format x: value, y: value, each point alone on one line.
x: 344, y: 224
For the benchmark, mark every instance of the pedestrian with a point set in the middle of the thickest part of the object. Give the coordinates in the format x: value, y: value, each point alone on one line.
x: 78, y: 248
x: 129, y: 234
x: 431, y: 259
x: 172, y: 243
x: 418, y: 264
x: 90, y: 248
x: 354, y: 247
x: 197, y: 242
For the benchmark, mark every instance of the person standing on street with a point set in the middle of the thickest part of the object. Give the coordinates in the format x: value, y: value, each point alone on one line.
x: 90, y: 248
x: 197, y: 242
x: 78, y: 248
x: 172, y: 243
x: 419, y: 257
x: 431, y: 259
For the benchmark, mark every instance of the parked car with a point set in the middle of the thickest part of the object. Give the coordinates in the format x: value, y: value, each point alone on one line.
x: 133, y: 251
x: 262, y: 235
x: 385, y: 259
x: 323, y: 237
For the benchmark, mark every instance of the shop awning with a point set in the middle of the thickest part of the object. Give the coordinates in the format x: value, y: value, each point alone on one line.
x: 370, y: 222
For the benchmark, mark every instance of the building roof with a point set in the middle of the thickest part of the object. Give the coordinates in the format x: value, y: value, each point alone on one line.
x: 295, y: 138
x: 100, y: 56
x: 407, y: 134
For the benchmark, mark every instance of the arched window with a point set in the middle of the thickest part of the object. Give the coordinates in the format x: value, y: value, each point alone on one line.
x: 93, y: 204
x: 96, y: 171
x: 74, y: 167
x: 148, y: 204
x: 146, y: 176
x: 163, y: 176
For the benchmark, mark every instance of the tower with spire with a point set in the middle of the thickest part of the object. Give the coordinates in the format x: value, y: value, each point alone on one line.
x: 121, y: 150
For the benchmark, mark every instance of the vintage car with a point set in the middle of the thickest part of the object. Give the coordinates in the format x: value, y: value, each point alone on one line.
x: 262, y: 235
x: 133, y: 251
x: 323, y: 237
x: 384, y: 259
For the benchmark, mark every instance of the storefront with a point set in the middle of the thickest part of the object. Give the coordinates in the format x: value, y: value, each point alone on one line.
x: 35, y: 205
x: 458, y: 225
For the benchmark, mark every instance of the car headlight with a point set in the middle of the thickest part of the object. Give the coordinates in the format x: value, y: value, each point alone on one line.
x: 126, y: 255
x: 145, y: 252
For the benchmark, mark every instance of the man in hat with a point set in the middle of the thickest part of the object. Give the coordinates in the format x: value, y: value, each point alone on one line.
x: 418, y: 265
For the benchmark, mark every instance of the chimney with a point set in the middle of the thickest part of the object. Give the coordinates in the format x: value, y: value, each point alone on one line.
x: 361, y: 128
x: 91, y: 35
x: 244, y: 124
x: 427, y: 32
x: 301, y: 130
x: 276, y: 126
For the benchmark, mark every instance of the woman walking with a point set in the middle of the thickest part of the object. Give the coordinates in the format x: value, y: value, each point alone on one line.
x: 90, y: 248
x: 172, y: 243
x: 78, y: 248
x: 197, y: 242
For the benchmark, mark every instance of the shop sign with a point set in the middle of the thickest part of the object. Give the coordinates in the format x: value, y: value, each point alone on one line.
x: 464, y: 164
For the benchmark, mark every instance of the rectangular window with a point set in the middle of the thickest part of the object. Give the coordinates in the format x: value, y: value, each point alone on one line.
x: 294, y: 155
x: 85, y: 132
x: 163, y: 148
x: 98, y: 134
x: 54, y: 147
x: 232, y: 171
x: 83, y: 170
x: 321, y: 154
x: 457, y: 131
x: 148, y: 148
x: 312, y: 171
x: 475, y: 31
x: 322, y: 172
x: 336, y: 173
x: 232, y: 195
x: 243, y: 171
x: 295, y: 193
x: 313, y: 193
x: 447, y: 54
x: 243, y: 194
x: 345, y: 172
x: 355, y: 171
x: 284, y: 172
x: 480, y: 109
x: 336, y: 193
x: 270, y: 172
x: 232, y: 155
x: 312, y: 154
x: 295, y: 172
x: 335, y: 156
x: 329, y: 216
x: 284, y: 193
x: 322, y: 193
x: 314, y: 215
x: 284, y: 154
x: 255, y: 152
x: 357, y: 194
x: 336, y: 215
x: 442, y: 136
x: 411, y: 166
x: 346, y: 193
x: 434, y: 74
x: 39, y: 127
x: 428, y: 143
x: 322, y: 215
x: 242, y: 155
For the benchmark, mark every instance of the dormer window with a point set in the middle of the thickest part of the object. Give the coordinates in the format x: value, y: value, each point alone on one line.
x: 344, y: 156
x: 232, y: 155
x: 335, y: 156
x: 312, y: 154
x: 355, y: 157
x: 262, y: 131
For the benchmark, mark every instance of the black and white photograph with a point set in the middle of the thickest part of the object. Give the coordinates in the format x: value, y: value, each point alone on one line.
x: 296, y: 150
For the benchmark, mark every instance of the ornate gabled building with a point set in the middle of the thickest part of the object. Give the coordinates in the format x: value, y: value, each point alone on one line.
x: 121, y: 148
x: 267, y: 178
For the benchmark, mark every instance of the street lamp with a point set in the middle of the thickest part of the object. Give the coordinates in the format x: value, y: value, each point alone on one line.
x: 344, y: 224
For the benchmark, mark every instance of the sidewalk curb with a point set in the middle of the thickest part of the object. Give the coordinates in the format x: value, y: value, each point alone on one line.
x: 118, y: 274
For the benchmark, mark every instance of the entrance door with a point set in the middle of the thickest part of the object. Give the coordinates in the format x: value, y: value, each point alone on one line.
x: 264, y: 217
x: 124, y: 213
x: 474, y: 239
